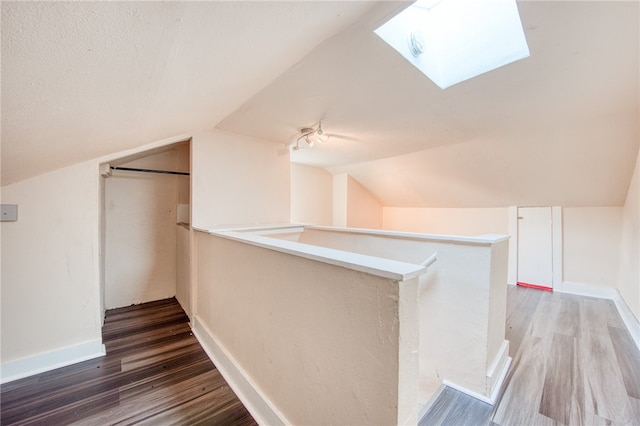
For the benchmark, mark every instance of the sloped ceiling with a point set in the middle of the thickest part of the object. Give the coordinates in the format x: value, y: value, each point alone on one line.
x: 84, y: 79
x: 557, y: 128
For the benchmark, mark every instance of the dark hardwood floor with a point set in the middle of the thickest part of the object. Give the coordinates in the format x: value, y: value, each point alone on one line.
x: 574, y: 363
x: 155, y: 372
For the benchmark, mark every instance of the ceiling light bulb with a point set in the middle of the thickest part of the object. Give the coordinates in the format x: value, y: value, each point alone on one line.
x: 312, y: 136
x: 321, y: 137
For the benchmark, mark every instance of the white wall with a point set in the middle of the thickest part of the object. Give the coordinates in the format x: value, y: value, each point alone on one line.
x: 311, y: 195
x: 183, y: 231
x: 140, y: 235
x: 50, y: 265
x: 629, y: 284
x: 340, y: 184
x: 353, y: 205
x: 462, y: 309
x: 363, y: 209
x: 591, y: 235
x: 591, y: 245
x: 447, y: 221
x: 183, y: 268
x: 51, y: 284
x: 238, y: 180
x: 323, y: 343
x: 183, y: 164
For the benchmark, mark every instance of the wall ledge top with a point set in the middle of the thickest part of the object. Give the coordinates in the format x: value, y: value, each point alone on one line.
x: 487, y: 239
x: 385, y: 268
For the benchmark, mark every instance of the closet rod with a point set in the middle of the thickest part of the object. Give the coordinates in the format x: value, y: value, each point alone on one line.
x: 166, y: 172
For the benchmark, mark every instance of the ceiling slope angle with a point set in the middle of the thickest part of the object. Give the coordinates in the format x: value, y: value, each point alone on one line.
x: 536, y: 169
x: 85, y: 79
x: 560, y: 126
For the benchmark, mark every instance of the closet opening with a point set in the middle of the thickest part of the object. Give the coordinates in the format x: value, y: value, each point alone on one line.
x: 146, y: 228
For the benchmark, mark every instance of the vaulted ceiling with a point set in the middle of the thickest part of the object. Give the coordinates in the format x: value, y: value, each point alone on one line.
x: 84, y: 79
x: 80, y: 80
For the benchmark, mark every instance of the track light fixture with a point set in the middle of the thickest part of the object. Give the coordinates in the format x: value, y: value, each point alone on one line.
x: 311, y: 136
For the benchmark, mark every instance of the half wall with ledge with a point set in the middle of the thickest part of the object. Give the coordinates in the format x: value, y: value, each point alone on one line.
x: 462, y: 302
x: 351, y: 326
x: 307, y: 334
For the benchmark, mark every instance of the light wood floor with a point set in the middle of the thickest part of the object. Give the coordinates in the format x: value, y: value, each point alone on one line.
x: 154, y: 373
x: 574, y: 363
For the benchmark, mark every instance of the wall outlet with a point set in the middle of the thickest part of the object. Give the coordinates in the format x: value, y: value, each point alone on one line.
x: 8, y: 212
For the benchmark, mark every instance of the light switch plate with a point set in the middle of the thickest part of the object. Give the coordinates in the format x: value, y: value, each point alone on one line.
x: 8, y: 212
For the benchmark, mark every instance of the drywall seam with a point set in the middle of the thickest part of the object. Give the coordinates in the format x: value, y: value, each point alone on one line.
x: 47, y: 361
x: 260, y: 407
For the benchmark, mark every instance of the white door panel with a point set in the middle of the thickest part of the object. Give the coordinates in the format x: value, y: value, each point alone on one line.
x: 535, y: 246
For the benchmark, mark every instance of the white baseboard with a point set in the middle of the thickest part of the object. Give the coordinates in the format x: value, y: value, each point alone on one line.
x: 426, y: 407
x: 583, y: 289
x: 25, y: 367
x: 496, y: 375
x: 495, y: 392
x: 633, y: 326
x: 466, y: 391
x: 262, y: 410
x: 629, y: 320
x: 498, y: 371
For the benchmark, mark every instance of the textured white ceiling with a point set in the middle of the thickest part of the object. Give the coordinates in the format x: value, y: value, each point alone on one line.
x: 560, y: 127
x: 85, y: 79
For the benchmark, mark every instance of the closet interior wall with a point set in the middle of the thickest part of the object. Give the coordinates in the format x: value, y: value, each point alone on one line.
x: 141, y: 213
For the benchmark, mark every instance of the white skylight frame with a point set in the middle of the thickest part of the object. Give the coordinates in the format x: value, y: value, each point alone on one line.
x: 460, y: 39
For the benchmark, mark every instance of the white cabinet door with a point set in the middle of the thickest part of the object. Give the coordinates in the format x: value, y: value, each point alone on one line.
x: 535, y: 246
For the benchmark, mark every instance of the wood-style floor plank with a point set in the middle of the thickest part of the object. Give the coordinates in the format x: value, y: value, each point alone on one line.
x: 559, y: 379
x: 634, y: 403
x: 520, y: 405
x: 574, y: 363
x: 454, y: 408
x: 519, y: 317
x: 568, y: 323
x: 629, y: 366
x: 155, y: 372
x: 605, y: 394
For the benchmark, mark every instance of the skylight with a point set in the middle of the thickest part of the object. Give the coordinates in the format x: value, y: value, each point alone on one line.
x: 454, y: 40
